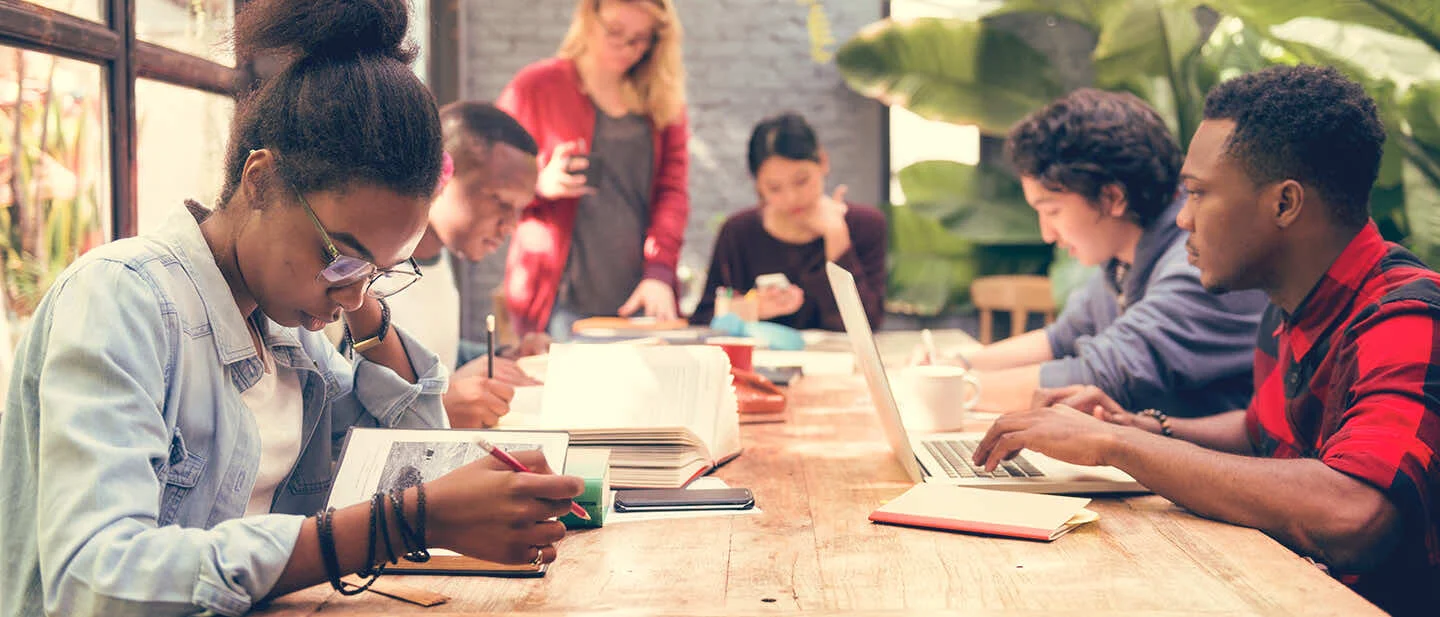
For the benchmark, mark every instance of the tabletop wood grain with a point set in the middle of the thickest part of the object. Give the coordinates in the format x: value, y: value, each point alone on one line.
x: 813, y: 550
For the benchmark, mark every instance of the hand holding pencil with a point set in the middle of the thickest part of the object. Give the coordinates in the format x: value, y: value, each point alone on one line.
x: 485, y: 509
x: 520, y: 467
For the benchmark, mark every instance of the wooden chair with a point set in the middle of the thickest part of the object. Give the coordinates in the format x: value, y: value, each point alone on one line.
x: 1019, y: 294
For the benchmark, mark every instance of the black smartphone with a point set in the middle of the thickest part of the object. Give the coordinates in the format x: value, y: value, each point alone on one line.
x: 592, y: 170
x: 653, y: 499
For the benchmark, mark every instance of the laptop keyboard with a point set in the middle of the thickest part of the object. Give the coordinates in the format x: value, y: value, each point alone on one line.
x: 954, y: 458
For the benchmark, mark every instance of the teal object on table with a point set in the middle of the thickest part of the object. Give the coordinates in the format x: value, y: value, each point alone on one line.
x: 771, y: 335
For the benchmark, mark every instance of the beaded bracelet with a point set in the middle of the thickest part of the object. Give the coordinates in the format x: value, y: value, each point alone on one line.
x: 1160, y: 417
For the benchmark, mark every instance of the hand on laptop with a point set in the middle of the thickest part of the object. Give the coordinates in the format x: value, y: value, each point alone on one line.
x: 1060, y: 432
x: 1094, y: 401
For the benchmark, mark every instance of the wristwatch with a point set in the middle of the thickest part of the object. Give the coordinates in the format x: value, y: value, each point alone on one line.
x: 379, y: 337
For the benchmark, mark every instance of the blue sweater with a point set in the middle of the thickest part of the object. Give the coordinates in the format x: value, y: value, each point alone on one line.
x: 1174, y: 347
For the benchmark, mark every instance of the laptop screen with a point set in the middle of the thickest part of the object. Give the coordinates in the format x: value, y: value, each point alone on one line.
x: 867, y: 354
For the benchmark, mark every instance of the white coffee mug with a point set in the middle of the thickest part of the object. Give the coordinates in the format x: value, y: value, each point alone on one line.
x: 934, y: 397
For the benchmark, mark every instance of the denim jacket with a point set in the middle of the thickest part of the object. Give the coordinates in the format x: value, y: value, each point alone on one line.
x: 129, y: 456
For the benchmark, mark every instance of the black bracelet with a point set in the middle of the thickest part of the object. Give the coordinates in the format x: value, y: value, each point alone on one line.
x: 376, y: 507
x: 420, y: 524
x: 415, y: 549
x: 1160, y: 417
x: 385, y: 529
x: 324, y: 529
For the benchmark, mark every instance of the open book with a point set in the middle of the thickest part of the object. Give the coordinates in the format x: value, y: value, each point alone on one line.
x: 667, y: 413
x: 376, y: 459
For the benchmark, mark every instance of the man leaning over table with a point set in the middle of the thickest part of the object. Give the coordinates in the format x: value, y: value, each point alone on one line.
x: 1335, y: 457
x: 1102, y: 172
x: 493, y: 160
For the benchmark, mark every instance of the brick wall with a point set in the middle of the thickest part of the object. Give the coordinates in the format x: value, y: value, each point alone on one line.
x: 745, y: 60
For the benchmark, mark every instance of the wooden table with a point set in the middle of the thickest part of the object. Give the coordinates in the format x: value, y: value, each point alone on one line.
x: 817, y: 478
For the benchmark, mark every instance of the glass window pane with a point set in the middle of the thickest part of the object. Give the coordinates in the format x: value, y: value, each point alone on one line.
x: 54, y: 176
x: 86, y: 9
x: 196, y: 27
x: 181, y: 148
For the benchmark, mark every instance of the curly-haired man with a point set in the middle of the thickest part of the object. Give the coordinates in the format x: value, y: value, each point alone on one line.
x: 1335, y: 456
x: 1102, y: 171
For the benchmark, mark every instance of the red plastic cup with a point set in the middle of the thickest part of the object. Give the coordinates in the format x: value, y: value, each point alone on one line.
x: 740, y: 350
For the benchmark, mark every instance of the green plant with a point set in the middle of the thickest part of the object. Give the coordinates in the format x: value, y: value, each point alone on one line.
x: 51, y: 211
x: 1171, y: 52
x: 959, y: 222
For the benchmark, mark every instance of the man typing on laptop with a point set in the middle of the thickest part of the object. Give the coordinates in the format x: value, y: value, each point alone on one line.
x: 1335, y: 455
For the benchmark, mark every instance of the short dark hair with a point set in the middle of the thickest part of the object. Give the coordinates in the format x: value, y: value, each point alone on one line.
x: 1090, y: 139
x: 1306, y: 123
x: 472, y: 127
x: 787, y: 135
x: 345, y: 108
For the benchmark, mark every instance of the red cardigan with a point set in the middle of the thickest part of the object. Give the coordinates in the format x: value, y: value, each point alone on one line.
x: 547, y: 98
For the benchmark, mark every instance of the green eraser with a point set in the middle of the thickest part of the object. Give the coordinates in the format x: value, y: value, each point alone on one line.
x: 593, y: 466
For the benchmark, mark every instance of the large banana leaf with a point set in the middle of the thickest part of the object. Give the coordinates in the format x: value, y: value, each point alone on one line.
x: 984, y: 206
x: 1419, y: 19
x: 956, y: 71
x: 927, y: 264
x: 959, y: 222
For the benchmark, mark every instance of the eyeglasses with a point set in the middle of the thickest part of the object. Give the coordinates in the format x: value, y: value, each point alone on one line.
x: 344, y: 270
x: 616, y: 37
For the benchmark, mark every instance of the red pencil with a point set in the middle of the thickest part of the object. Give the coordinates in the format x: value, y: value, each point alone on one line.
x: 519, y: 466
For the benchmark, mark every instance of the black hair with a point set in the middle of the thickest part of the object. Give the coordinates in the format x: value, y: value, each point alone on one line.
x: 346, y: 108
x: 1306, y: 123
x: 1091, y: 139
x: 472, y: 127
x: 787, y: 135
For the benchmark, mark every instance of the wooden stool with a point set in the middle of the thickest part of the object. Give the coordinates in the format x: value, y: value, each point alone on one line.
x: 1021, y: 294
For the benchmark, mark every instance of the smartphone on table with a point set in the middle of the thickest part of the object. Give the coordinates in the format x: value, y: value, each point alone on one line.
x: 679, y: 499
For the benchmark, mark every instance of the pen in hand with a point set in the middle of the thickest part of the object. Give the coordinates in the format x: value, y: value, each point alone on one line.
x: 519, y: 466
x: 490, y: 346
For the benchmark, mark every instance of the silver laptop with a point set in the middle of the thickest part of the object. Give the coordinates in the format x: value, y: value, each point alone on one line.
x: 945, y: 457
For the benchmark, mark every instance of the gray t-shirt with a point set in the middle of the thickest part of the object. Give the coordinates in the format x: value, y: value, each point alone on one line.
x: 607, y: 249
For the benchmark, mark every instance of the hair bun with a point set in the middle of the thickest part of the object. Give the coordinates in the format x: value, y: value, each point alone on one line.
x: 325, y: 28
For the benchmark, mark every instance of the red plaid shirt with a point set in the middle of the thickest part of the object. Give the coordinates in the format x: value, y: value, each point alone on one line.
x: 1353, y: 379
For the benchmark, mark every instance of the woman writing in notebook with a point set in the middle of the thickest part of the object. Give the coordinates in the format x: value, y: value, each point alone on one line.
x: 794, y: 230
x: 176, y: 410
x: 609, y: 106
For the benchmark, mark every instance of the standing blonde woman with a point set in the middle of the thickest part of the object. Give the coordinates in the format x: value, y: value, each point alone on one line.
x: 610, y: 107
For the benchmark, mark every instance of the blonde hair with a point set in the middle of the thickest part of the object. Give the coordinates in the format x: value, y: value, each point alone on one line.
x: 659, y: 76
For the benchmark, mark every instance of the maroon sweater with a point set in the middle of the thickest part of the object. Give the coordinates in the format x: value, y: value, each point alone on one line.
x: 744, y: 250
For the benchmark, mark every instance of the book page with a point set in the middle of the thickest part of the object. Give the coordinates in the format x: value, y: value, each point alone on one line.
x: 620, y: 387
x: 378, y: 459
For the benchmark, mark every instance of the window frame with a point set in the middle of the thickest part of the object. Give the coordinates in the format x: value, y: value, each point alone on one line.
x: 122, y: 60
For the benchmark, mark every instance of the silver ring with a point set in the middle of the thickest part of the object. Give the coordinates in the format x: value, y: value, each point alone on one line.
x: 539, y: 556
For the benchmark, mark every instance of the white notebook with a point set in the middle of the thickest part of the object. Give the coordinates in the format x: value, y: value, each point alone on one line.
x: 666, y: 413
x: 984, y: 511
